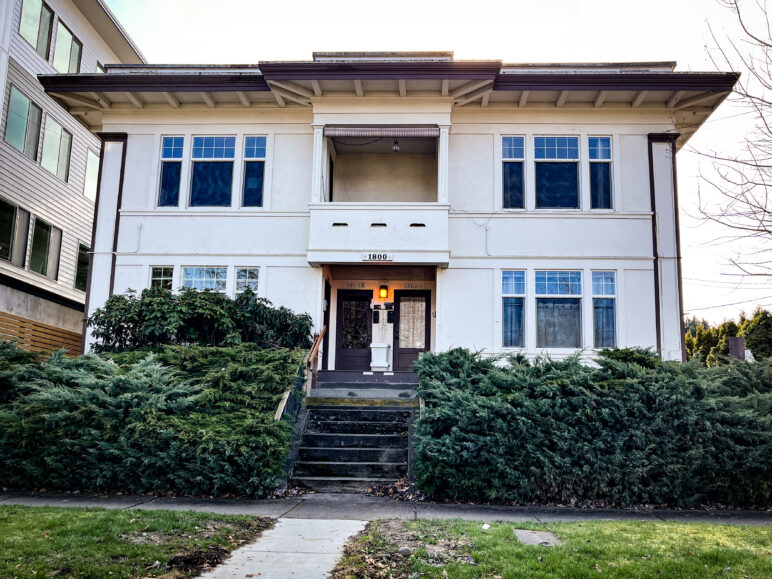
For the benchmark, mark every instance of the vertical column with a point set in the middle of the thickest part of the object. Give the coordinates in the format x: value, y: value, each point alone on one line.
x: 316, y: 173
x: 667, y: 253
x: 106, y: 221
x: 442, y: 165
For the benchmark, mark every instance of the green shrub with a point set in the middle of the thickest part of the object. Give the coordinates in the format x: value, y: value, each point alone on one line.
x: 158, y: 317
x: 185, y: 420
x: 630, y: 431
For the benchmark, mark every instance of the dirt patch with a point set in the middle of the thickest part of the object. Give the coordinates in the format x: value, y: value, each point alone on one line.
x: 401, y: 490
x: 384, y: 549
x: 193, y: 562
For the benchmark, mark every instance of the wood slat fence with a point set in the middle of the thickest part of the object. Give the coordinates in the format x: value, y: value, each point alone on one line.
x: 38, y: 337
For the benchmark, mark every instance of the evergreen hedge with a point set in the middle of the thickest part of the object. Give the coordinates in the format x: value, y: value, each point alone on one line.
x: 631, y: 431
x: 157, y: 317
x: 192, y: 420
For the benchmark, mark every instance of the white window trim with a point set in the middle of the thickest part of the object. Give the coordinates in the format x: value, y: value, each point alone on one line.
x: 159, y: 171
x: 612, y: 174
x: 225, y: 290
x: 582, y: 171
x: 614, y: 297
x: 42, y: 146
x: 524, y: 295
x: 582, y: 310
x: 236, y: 279
x: 500, y: 163
x: 236, y: 171
x: 150, y: 274
x: 244, y: 161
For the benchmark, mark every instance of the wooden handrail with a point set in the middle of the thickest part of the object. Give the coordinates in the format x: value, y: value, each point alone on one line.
x: 313, y: 357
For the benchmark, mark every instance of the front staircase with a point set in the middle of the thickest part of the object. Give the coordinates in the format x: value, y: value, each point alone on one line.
x: 357, y: 432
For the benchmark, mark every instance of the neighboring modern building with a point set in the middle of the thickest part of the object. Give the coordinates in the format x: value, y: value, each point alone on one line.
x: 407, y: 201
x: 49, y: 163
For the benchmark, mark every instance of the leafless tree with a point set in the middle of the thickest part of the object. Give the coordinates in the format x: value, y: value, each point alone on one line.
x: 740, y: 184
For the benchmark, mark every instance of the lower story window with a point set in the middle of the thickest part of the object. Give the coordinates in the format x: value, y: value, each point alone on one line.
x: 246, y: 279
x: 604, y: 308
x: 512, y: 308
x: 558, y: 314
x: 81, y: 269
x: 161, y: 277
x: 201, y: 278
x: 14, y: 228
x: 46, y: 244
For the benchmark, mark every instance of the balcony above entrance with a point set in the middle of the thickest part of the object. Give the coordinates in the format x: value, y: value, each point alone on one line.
x: 400, y: 233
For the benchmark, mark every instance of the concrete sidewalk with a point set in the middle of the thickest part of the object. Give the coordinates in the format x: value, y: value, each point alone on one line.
x: 357, y: 507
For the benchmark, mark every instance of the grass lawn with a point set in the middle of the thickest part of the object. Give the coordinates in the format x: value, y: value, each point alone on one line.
x: 589, y: 549
x: 67, y: 542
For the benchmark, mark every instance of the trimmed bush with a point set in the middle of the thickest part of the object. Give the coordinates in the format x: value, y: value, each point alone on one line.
x: 185, y: 420
x: 157, y: 317
x: 632, y: 431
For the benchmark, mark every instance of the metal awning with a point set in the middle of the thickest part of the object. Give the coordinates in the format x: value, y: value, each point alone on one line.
x: 381, y: 132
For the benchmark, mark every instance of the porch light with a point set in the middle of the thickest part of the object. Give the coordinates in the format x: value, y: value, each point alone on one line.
x: 383, y: 293
x: 395, y: 148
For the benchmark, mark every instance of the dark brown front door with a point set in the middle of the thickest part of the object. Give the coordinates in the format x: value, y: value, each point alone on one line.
x: 354, y: 330
x: 412, y: 326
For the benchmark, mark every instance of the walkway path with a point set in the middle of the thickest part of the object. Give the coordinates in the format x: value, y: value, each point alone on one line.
x: 358, y: 507
x: 302, y: 548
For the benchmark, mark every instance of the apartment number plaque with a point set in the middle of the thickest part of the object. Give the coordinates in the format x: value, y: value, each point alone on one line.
x: 376, y: 256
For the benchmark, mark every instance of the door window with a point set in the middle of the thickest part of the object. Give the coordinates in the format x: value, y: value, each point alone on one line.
x: 356, y: 324
x: 412, y: 322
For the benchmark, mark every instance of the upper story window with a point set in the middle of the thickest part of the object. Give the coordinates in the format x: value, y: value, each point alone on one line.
x: 92, y: 175
x: 171, y: 169
x: 66, y: 50
x: 513, y: 306
x: 254, y: 169
x: 35, y: 25
x: 212, y: 179
x: 558, y: 312
x: 556, y: 172
x: 57, y: 143
x: 513, y: 157
x: 46, y: 245
x: 22, y: 129
x: 600, y: 172
x: 14, y: 228
x: 604, y: 308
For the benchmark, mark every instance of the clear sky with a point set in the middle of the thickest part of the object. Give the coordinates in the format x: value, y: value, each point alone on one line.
x: 244, y: 31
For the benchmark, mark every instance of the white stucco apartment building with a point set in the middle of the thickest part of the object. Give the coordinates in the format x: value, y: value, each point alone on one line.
x: 407, y: 201
x: 49, y: 162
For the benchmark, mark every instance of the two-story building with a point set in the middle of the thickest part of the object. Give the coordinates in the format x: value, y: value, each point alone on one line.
x: 407, y: 201
x: 49, y: 164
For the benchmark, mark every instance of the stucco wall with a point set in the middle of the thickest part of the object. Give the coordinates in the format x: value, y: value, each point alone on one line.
x: 395, y: 177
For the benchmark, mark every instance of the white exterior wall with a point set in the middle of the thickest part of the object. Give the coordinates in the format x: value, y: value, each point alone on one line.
x: 482, y: 238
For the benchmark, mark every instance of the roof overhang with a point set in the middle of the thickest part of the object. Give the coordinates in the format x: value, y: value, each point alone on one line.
x: 110, y: 29
x: 384, y: 70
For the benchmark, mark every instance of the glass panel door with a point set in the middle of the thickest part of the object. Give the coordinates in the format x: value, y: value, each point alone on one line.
x: 411, y: 327
x: 354, y: 330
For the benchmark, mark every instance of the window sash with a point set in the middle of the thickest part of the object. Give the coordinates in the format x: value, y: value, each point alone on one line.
x: 169, y: 186
x: 558, y: 322
x: 35, y: 25
x: 255, y: 148
x: 513, y: 322
x: 247, y: 278
x: 513, y: 282
x: 214, y: 148
x: 599, y: 148
x: 172, y: 147
x: 22, y: 130
x: 604, y: 283
x: 600, y: 185
x: 513, y: 184
x: 162, y: 276
x: 556, y: 187
x: 556, y: 148
x: 200, y: 278
x: 254, y: 182
x: 558, y: 283
x: 604, y: 322
x: 211, y: 184
x: 512, y: 148
x: 67, y: 50
x: 81, y: 267
x: 7, y: 229
x: 57, y: 142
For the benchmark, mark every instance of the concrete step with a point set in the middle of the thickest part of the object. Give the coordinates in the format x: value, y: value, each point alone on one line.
x: 320, y: 454
x: 362, y: 377
x: 340, y: 484
x: 367, y: 385
x: 393, y: 470
x: 363, y: 393
x: 323, y: 401
x: 360, y: 415
x: 355, y: 427
x: 338, y: 440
